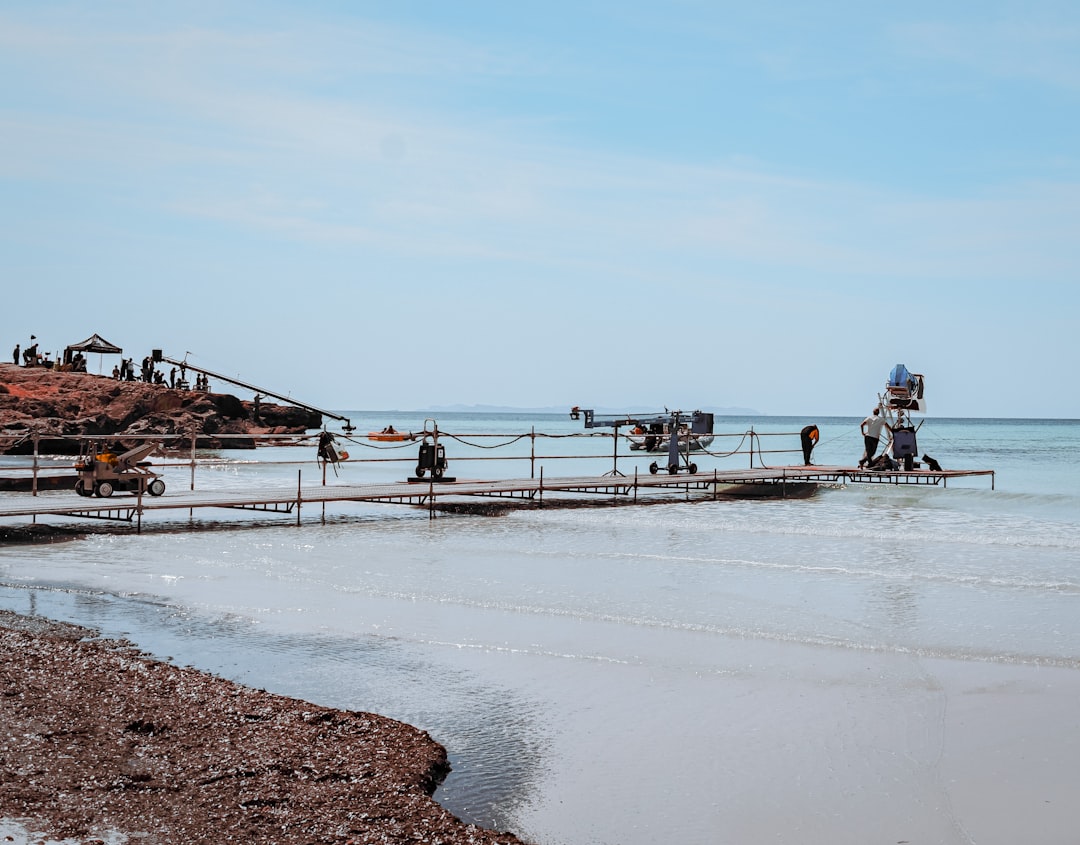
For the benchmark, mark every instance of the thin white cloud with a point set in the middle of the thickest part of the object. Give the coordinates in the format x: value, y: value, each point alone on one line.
x: 330, y: 144
x: 1020, y: 48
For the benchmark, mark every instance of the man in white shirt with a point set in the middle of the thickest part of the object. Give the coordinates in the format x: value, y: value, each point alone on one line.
x: 871, y: 429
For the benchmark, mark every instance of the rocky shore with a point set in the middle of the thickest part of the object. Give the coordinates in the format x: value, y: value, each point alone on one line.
x: 57, y: 407
x: 100, y: 740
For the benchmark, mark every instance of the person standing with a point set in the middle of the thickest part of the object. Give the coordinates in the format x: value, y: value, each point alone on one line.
x: 15, y: 354
x: 809, y: 437
x: 871, y: 428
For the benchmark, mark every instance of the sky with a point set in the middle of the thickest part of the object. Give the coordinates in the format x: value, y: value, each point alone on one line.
x: 636, y: 205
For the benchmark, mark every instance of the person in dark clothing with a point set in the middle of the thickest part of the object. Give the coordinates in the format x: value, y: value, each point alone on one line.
x: 809, y: 436
x: 326, y: 447
x: 15, y: 354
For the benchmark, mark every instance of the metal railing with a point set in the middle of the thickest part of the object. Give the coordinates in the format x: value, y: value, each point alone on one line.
x: 185, y: 451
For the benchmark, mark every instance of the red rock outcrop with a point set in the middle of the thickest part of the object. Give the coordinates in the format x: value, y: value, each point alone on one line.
x: 54, y: 405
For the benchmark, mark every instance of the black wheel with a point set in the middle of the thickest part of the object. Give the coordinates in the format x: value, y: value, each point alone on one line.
x: 692, y: 469
x: 437, y: 472
x: 673, y: 469
x: 653, y: 468
x: 419, y: 472
x: 156, y: 488
x: 104, y: 489
x: 80, y: 488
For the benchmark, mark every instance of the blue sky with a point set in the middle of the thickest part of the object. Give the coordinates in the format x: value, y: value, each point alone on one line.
x: 609, y: 204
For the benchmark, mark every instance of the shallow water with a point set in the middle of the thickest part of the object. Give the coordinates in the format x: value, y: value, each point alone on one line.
x: 824, y: 669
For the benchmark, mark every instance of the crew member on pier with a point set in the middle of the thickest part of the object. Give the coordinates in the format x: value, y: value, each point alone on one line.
x: 871, y: 429
x: 809, y: 437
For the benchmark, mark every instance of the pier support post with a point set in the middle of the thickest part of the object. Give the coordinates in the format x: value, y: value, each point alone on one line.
x: 33, y: 486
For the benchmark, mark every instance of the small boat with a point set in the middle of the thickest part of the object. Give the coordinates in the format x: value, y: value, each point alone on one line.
x: 389, y: 435
x: 655, y: 438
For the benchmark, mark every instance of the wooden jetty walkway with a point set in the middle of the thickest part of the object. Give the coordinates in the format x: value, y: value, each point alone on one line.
x: 434, y: 495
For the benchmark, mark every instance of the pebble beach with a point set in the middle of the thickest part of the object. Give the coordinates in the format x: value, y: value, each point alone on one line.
x: 102, y: 743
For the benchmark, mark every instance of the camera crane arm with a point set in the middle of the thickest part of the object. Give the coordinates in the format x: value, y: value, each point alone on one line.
x: 672, y: 419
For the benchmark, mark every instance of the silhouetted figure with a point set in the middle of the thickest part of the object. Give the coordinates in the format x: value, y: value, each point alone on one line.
x: 809, y: 436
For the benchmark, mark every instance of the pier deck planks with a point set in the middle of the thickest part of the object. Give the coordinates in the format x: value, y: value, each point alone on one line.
x: 125, y: 507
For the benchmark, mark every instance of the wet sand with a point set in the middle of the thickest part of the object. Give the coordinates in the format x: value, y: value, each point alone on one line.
x: 100, y: 741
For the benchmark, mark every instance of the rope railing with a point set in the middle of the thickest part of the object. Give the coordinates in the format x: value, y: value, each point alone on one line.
x: 184, y: 451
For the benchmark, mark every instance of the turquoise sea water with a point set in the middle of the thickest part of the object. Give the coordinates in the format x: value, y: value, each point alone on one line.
x: 849, y: 667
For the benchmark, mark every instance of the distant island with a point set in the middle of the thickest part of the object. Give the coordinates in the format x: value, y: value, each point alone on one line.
x: 565, y: 409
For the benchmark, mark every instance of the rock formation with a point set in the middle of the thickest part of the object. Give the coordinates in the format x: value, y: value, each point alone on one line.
x: 55, y: 405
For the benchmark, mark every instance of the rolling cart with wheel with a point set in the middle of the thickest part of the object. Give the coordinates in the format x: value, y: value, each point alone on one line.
x: 432, y: 456
x: 103, y: 473
x: 670, y: 432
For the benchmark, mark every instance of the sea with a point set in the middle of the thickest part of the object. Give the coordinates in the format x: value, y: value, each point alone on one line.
x: 870, y: 663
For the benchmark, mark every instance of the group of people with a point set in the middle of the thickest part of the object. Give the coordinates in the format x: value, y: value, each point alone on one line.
x: 150, y: 374
x: 74, y: 361
x: 871, y: 428
x: 126, y: 371
x: 30, y: 356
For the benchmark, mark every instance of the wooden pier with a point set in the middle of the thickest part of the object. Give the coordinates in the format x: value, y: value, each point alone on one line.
x: 436, y: 495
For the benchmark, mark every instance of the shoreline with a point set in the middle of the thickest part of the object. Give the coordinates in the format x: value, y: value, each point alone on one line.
x: 101, y: 739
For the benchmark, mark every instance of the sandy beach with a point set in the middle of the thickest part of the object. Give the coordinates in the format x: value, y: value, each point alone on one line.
x: 101, y: 741
x: 870, y: 664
